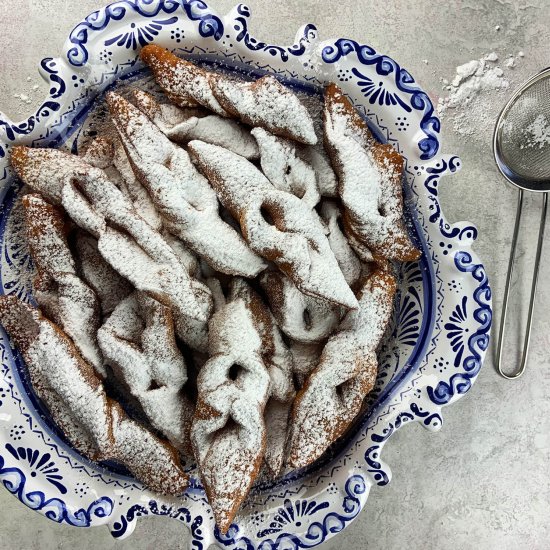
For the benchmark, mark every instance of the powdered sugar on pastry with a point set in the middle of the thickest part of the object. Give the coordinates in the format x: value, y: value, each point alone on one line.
x: 185, y: 84
x: 108, y: 285
x: 305, y: 358
x: 58, y: 289
x: 275, y: 353
x: 133, y: 189
x: 268, y: 104
x: 71, y: 427
x: 184, y: 128
x: 228, y: 431
x: 360, y: 248
x: 138, y: 342
x: 333, y: 393
x: 185, y: 256
x: 315, y: 155
x: 284, y: 169
x: 57, y: 364
x: 137, y: 252
x: 148, y: 458
x: 347, y: 259
x: 63, y: 375
x: 276, y: 416
x: 303, y: 318
x: 278, y: 361
x: 183, y: 196
x: 317, y: 158
x: 162, y: 254
x: 99, y: 153
x: 370, y: 180
x: 109, y: 155
x: 276, y: 224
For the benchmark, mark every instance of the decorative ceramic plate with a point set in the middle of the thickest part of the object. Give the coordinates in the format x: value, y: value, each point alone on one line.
x: 431, y: 356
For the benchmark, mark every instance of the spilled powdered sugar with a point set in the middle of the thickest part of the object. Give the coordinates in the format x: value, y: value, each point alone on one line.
x: 476, y: 93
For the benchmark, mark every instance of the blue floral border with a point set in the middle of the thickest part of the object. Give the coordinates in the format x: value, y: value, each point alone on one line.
x: 196, y: 10
x: 430, y: 124
x: 478, y: 343
x: 14, y: 481
x: 120, y: 527
x: 317, y: 532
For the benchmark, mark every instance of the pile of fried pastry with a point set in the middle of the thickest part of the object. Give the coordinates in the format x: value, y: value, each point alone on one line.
x: 224, y: 260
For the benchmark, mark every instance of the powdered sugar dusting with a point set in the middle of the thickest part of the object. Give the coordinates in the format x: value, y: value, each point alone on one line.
x: 59, y: 290
x: 476, y: 93
x: 284, y: 169
x: 108, y: 285
x: 64, y: 377
x: 294, y: 239
x: 276, y: 421
x: 138, y: 341
x: 146, y: 207
x: 228, y: 431
x: 333, y: 393
x: 181, y: 193
x: 537, y: 134
x: 370, y: 180
x: 268, y: 104
x: 182, y: 126
x: 185, y: 83
x: 306, y: 357
x: 138, y: 253
x: 55, y: 363
x: 303, y: 318
x: 347, y: 259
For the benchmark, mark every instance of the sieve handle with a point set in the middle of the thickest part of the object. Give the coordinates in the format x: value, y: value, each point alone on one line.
x: 527, y: 338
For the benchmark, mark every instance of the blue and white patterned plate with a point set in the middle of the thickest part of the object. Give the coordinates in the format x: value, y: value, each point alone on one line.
x: 440, y: 329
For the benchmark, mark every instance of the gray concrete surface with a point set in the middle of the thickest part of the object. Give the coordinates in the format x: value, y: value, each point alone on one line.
x: 484, y: 481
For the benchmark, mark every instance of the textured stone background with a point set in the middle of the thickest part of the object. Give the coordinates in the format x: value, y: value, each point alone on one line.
x: 484, y: 480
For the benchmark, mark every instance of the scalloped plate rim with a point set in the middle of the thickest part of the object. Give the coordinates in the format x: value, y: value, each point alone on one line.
x: 356, y: 487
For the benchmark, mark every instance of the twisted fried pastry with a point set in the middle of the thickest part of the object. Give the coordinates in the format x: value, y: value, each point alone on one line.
x: 228, y: 430
x: 284, y: 168
x: 333, y: 393
x: 279, y: 363
x: 125, y: 240
x: 303, y: 318
x: 94, y: 423
x: 58, y: 289
x: 182, y: 127
x: 139, y: 343
x: 265, y: 102
x: 183, y: 196
x: 370, y: 180
x: 277, y: 225
x: 184, y: 83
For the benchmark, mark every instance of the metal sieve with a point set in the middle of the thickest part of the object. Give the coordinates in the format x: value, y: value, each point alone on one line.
x: 521, y: 145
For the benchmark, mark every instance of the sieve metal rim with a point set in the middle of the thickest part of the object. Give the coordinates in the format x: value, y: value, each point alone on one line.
x: 517, y: 180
